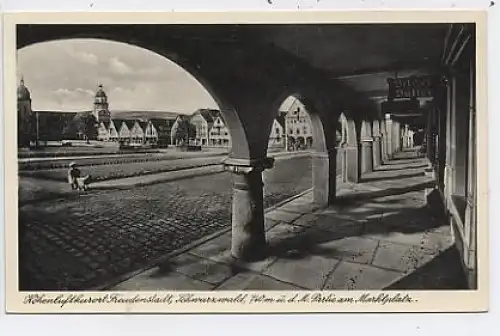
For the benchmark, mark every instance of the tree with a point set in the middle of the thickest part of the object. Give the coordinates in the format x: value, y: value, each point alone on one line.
x: 86, y: 124
x: 185, y: 132
x: 70, y: 131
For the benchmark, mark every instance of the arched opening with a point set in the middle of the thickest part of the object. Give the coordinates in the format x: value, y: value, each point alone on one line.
x: 209, y: 97
x: 290, y: 143
x: 128, y: 195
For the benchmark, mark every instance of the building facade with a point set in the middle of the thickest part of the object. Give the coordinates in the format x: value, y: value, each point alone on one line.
x: 219, y: 133
x: 277, y: 137
x: 298, y: 128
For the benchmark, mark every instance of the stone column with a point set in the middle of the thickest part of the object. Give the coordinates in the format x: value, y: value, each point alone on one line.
x: 429, y: 135
x: 383, y: 142
x: 405, y: 137
x: 389, y: 129
x: 396, y: 142
x: 351, y: 153
x: 366, y: 147
x: 450, y: 135
x: 324, y: 176
x: 248, y: 240
x: 377, y: 147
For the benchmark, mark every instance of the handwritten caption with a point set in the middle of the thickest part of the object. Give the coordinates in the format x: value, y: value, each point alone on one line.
x: 63, y: 300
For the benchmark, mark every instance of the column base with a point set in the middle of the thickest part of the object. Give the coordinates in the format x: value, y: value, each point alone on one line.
x: 352, y: 165
x: 324, y: 177
x: 248, y: 240
x: 377, y: 152
x: 366, y: 156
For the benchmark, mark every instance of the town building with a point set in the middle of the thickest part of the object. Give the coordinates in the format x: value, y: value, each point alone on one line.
x: 107, y: 131
x: 298, y: 127
x: 277, y: 137
x: 177, y: 131
x: 203, y: 120
x: 162, y: 127
x: 219, y: 133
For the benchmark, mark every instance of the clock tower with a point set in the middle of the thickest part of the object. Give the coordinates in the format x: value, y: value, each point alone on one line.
x: 101, y: 107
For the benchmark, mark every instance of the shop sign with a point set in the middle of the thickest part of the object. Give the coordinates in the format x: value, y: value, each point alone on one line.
x: 410, y: 87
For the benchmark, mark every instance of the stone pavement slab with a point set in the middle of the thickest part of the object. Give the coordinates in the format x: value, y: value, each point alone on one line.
x: 352, y: 276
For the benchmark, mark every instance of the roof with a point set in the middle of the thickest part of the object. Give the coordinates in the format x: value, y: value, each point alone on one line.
x: 118, y: 123
x: 56, y: 115
x: 161, y: 121
x: 281, y: 119
x: 100, y: 92
x: 142, y: 124
x: 208, y: 114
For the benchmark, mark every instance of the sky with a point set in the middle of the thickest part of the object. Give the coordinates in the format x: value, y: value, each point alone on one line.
x: 64, y: 75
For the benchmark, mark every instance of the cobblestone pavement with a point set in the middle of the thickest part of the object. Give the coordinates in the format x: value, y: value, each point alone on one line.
x: 78, y: 244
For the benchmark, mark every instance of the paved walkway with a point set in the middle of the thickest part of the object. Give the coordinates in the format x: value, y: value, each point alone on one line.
x: 381, y: 234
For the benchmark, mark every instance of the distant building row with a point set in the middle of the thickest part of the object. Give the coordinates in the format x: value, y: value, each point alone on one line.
x: 205, y: 127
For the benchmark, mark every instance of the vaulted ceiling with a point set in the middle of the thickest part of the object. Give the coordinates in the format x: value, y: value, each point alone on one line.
x: 345, y: 49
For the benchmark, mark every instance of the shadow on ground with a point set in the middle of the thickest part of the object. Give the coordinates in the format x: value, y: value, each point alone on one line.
x: 432, y: 275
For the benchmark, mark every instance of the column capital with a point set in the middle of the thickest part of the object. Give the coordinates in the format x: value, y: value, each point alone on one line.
x: 247, y: 166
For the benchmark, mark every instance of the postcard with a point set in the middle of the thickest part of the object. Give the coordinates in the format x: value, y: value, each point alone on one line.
x: 249, y: 162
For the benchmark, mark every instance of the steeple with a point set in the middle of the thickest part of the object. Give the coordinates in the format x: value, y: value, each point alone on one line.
x: 22, y: 91
x: 101, y: 111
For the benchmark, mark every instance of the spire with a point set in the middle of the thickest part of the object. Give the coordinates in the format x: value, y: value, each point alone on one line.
x: 22, y: 80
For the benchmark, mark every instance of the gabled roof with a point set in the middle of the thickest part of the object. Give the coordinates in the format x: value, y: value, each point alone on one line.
x: 143, y: 124
x: 208, y: 114
x: 118, y: 123
x: 106, y: 124
x: 281, y: 119
x: 129, y: 123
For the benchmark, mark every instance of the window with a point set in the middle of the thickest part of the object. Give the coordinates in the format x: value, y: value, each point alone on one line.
x: 298, y: 131
x: 277, y: 130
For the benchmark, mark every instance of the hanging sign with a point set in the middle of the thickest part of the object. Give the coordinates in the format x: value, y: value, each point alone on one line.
x: 410, y: 87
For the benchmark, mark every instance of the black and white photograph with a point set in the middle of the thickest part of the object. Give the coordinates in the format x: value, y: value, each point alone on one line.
x: 195, y: 157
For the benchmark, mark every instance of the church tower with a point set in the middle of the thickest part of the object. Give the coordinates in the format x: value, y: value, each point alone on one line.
x: 25, y: 127
x: 101, y: 107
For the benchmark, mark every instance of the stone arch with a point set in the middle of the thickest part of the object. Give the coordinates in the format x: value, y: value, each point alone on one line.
x: 321, y: 136
x: 240, y: 144
x: 323, y: 144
